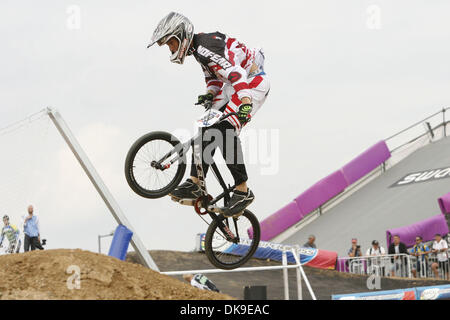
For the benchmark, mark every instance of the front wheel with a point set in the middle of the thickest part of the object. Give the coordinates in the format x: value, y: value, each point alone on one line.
x: 155, y: 164
x: 231, y: 242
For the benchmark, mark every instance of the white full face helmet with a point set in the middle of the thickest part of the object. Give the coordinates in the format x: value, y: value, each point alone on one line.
x: 177, y: 26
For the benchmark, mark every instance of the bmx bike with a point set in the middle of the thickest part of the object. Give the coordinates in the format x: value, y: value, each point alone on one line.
x: 155, y: 165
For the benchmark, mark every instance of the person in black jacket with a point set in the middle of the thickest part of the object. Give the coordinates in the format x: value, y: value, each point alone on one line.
x: 399, y: 261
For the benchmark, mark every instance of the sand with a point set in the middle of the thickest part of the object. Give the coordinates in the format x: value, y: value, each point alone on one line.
x: 51, y: 274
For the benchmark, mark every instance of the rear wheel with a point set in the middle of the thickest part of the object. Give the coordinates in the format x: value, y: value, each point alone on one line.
x: 231, y: 242
x: 146, y: 174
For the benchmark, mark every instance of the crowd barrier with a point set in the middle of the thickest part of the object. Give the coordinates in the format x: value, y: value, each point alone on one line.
x: 423, y: 267
x: 383, y: 265
x: 396, y: 265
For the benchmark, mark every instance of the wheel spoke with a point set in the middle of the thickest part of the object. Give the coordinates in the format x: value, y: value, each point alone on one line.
x: 147, y: 177
x: 224, y: 251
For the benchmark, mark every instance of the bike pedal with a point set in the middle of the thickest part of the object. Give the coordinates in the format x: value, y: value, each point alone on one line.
x: 215, y: 209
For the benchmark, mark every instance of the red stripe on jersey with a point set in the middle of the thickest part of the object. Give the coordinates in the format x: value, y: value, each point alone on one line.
x: 229, y: 109
x: 235, y: 99
x: 255, y: 82
x: 230, y: 42
x: 240, y: 86
x: 244, y: 62
x: 233, y: 117
x: 215, y: 83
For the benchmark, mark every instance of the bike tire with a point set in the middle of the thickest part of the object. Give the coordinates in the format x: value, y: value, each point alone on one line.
x: 131, y: 157
x: 209, y: 242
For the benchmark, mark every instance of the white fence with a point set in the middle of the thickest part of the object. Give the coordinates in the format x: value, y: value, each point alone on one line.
x: 300, y: 273
x: 428, y: 266
x: 396, y: 265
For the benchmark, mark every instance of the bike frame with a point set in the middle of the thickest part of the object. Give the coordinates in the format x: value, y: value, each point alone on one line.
x: 206, y: 199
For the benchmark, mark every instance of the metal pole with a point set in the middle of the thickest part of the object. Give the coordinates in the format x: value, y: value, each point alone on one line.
x: 299, y: 277
x: 247, y: 269
x: 443, y: 119
x: 311, y: 292
x: 100, y: 238
x: 100, y: 186
x: 409, y: 267
x: 285, y: 275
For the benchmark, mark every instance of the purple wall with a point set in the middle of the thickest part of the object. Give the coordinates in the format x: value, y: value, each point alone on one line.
x: 321, y: 192
x: 366, y: 162
x: 280, y: 221
x: 426, y: 229
x: 444, y: 203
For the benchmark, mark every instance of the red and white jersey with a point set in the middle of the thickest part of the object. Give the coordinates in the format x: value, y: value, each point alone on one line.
x: 225, y: 60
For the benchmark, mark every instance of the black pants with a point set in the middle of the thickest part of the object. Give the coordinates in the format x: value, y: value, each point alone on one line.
x: 32, y: 242
x: 223, y: 136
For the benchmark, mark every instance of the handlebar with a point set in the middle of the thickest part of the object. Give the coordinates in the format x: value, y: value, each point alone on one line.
x: 208, y: 105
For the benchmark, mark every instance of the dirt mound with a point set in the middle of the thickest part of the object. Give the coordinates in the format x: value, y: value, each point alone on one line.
x: 45, y: 275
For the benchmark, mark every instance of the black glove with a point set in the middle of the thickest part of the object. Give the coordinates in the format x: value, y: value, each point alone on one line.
x: 204, y: 98
x: 244, y: 111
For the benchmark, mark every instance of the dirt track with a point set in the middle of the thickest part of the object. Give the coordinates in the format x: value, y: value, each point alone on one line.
x: 324, y: 282
x: 42, y: 275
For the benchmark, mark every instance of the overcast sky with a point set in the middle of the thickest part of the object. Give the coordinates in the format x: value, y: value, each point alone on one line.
x: 344, y: 75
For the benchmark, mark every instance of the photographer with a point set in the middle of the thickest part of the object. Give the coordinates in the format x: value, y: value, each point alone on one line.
x: 355, y: 250
x: 356, y: 265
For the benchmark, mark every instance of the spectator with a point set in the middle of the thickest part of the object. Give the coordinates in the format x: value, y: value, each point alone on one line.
x: 355, y: 250
x: 375, y: 250
x: 376, y: 264
x: 32, y: 237
x: 420, y: 251
x: 397, y: 248
x: 311, y: 242
x: 12, y: 234
x: 356, y: 265
x: 200, y: 281
x: 440, y: 248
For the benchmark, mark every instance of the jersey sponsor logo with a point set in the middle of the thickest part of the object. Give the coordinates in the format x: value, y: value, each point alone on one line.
x: 423, y: 176
x: 217, y: 58
x: 234, y: 76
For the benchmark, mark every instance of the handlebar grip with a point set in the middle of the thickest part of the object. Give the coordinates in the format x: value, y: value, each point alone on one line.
x: 208, y: 104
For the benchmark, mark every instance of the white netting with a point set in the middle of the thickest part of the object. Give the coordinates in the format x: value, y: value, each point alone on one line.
x: 23, y: 147
x: 38, y: 168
